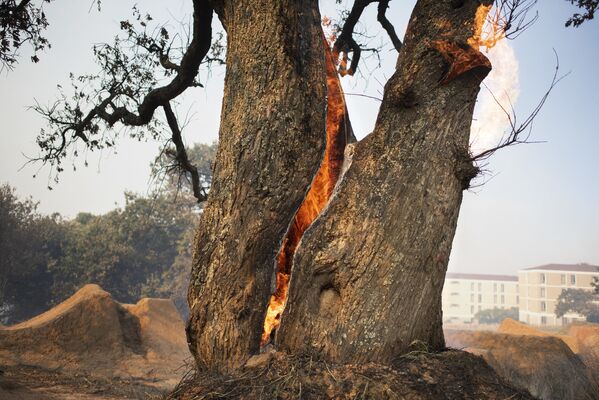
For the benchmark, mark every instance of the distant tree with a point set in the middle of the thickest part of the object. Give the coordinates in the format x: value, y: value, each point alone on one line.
x: 496, y: 315
x: 175, y: 279
x: 595, y: 284
x: 126, y: 251
x: 179, y: 182
x: 580, y: 301
x: 140, y: 250
x: 29, y: 244
x: 589, y: 7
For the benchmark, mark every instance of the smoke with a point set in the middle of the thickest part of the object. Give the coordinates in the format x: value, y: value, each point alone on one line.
x: 501, y: 86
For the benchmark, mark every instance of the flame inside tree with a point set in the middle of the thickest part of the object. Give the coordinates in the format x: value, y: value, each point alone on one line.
x: 338, y: 131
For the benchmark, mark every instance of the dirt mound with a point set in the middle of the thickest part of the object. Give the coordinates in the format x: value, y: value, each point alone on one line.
x: 513, y: 327
x: 589, y: 353
x: 93, y: 334
x: 447, y: 375
x: 544, y: 365
x: 583, y: 331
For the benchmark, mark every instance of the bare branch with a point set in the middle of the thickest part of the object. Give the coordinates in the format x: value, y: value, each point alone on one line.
x: 508, y: 20
x: 346, y: 42
x: 519, y: 133
x: 382, y: 18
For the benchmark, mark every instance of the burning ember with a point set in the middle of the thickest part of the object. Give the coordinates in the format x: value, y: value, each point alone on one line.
x: 317, y: 197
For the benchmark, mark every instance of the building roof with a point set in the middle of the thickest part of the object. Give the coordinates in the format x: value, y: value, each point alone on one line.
x: 481, y: 277
x: 583, y: 267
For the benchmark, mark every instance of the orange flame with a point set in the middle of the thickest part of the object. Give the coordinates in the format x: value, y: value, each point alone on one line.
x: 316, y: 198
x: 489, y: 28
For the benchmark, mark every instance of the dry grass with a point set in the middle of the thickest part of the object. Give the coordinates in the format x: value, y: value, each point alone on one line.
x: 421, y: 375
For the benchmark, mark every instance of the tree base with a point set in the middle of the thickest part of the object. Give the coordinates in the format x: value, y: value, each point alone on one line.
x: 451, y: 374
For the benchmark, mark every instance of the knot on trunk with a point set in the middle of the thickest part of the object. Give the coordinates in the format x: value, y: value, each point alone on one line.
x: 465, y: 171
x: 403, y: 96
x: 457, y: 3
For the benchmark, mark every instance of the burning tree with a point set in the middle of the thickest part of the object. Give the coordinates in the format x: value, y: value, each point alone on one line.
x: 359, y: 267
x: 311, y: 241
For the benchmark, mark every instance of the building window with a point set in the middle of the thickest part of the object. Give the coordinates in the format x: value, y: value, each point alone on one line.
x: 479, y: 308
x: 573, y: 279
x: 563, y: 279
x: 472, y: 286
x: 542, y: 278
x: 502, y: 299
x: 543, y: 306
x: 494, y: 287
x: 480, y: 286
x: 502, y: 288
x: 480, y: 298
x: 471, y: 297
x: 543, y: 320
x: 471, y: 309
x: 543, y: 292
x: 494, y: 299
x: 517, y: 299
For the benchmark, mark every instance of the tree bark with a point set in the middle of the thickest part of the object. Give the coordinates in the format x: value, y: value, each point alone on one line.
x: 367, y: 277
x: 271, y: 142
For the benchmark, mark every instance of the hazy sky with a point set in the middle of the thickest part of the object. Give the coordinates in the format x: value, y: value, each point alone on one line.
x: 540, y: 203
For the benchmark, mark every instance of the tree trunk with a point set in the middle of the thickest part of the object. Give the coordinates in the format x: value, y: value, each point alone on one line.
x: 272, y: 139
x: 367, y: 277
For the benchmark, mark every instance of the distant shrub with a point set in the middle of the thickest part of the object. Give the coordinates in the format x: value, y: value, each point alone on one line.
x: 496, y: 315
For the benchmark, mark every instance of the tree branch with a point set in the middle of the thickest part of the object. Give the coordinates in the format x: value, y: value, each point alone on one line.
x: 346, y: 43
x: 382, y: 18
x: 190, y: 65
x: 184, y: 78
x: 181, y: 155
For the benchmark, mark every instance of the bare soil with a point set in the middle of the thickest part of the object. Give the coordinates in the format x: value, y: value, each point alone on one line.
x: 31, y: 383
x: 93, y: 335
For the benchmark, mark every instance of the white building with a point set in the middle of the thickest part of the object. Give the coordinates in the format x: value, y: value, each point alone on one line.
x: 541, y: 286
x: 466, y: 294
